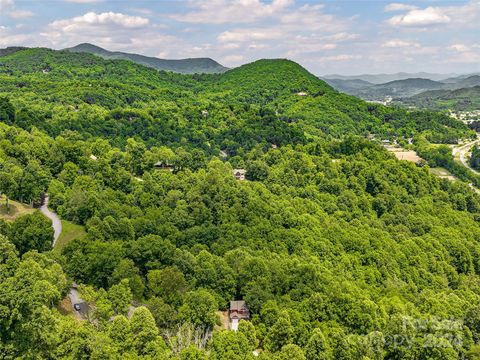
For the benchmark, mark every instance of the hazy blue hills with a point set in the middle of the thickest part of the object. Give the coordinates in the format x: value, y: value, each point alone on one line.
x: 184, y: 66
x: 401, y: 88
x: 465, y: 99
x: 10, y: 50
x: 348, y: 86
x: 384, y: 78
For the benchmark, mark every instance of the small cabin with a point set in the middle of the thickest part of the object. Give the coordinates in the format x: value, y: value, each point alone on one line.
x: 239, y: 174
x: 164, y: 165
x: 274, y: 146
x: 238, y: 311
x: 93, y: 157
x: 302, y: 93
x: 205, y: 113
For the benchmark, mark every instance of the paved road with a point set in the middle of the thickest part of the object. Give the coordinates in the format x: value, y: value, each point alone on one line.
x: 56, y: 222
x: 462, y: 151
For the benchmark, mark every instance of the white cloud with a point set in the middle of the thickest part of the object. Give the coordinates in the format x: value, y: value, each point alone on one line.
x: 10, y: 38
x: 20, y: 14
x: 231, y: 46
x: 8, y: 8
x: 256, y: 46
x: 398, y: 7
x: 115, y: 31
x: 340, y: 37
x: 297, y: 32
x: 456, y: 17
x: 242, y: 35
x: 92, y: 19
x: 6, y: 4
x: 233, y: 60
x: 459, y: 47
x: 310, y: 48
x: 238, y: 31
x: 142, y: 11
x: 398, y: 43
x: 224, y: 11
x: 463, y: 58
x: 83, y: 1
x: 341, y: 57
x: 420, y: 17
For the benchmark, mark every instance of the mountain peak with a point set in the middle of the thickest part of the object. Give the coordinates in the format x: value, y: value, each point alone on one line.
x: 91, y: 49
x: 185, y: 66
x: 279, y: 74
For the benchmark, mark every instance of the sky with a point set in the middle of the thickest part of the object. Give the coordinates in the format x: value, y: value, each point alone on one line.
x: 342, y: 37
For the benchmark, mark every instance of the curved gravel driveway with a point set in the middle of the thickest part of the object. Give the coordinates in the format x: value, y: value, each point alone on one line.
x: 56, y: 222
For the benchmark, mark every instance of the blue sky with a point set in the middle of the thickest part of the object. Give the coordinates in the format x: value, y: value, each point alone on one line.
x: 347, y: 37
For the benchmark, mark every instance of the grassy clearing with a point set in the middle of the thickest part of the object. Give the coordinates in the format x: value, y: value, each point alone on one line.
x: 70, y: 231
x: 402, y: 154
x: 443, y: 173
x: 16, y: 209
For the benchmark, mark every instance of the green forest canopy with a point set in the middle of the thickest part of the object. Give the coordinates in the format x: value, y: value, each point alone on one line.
x: 340, y: 250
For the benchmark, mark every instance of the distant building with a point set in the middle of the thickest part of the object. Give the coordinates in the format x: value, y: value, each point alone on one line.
x: 93, y: 157
x: 238, y: 311
x: 274, y: 146
x: 239, y: 174
x: 302, y: 93
x: 164, y: 165
x: 204, y: 113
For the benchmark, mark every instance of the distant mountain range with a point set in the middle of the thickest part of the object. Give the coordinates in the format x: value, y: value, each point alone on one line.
x: 184, y: 66
x: 384, y: 78
x: 401, y: 88
x: 465, y: 99
x: 10, y: 50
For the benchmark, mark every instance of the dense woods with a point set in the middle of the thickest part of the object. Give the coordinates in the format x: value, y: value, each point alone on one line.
x: 340, y: 250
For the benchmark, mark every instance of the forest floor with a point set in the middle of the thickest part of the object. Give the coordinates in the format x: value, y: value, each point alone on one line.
x: 16, y: 209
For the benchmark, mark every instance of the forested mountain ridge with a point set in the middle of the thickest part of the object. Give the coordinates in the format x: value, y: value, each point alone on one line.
x: 403, y: 88
x: 384, y: 78
x: 277, y: 99
x: 183, y: 66
x: 10, y: 50
x: 465, y: 99
x: 399, y: 88
x: 336, y: 246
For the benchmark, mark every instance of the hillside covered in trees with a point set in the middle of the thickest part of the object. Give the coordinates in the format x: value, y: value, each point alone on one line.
x: 339, y: 250
x: 465, y: 99
x: 183, y: 66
